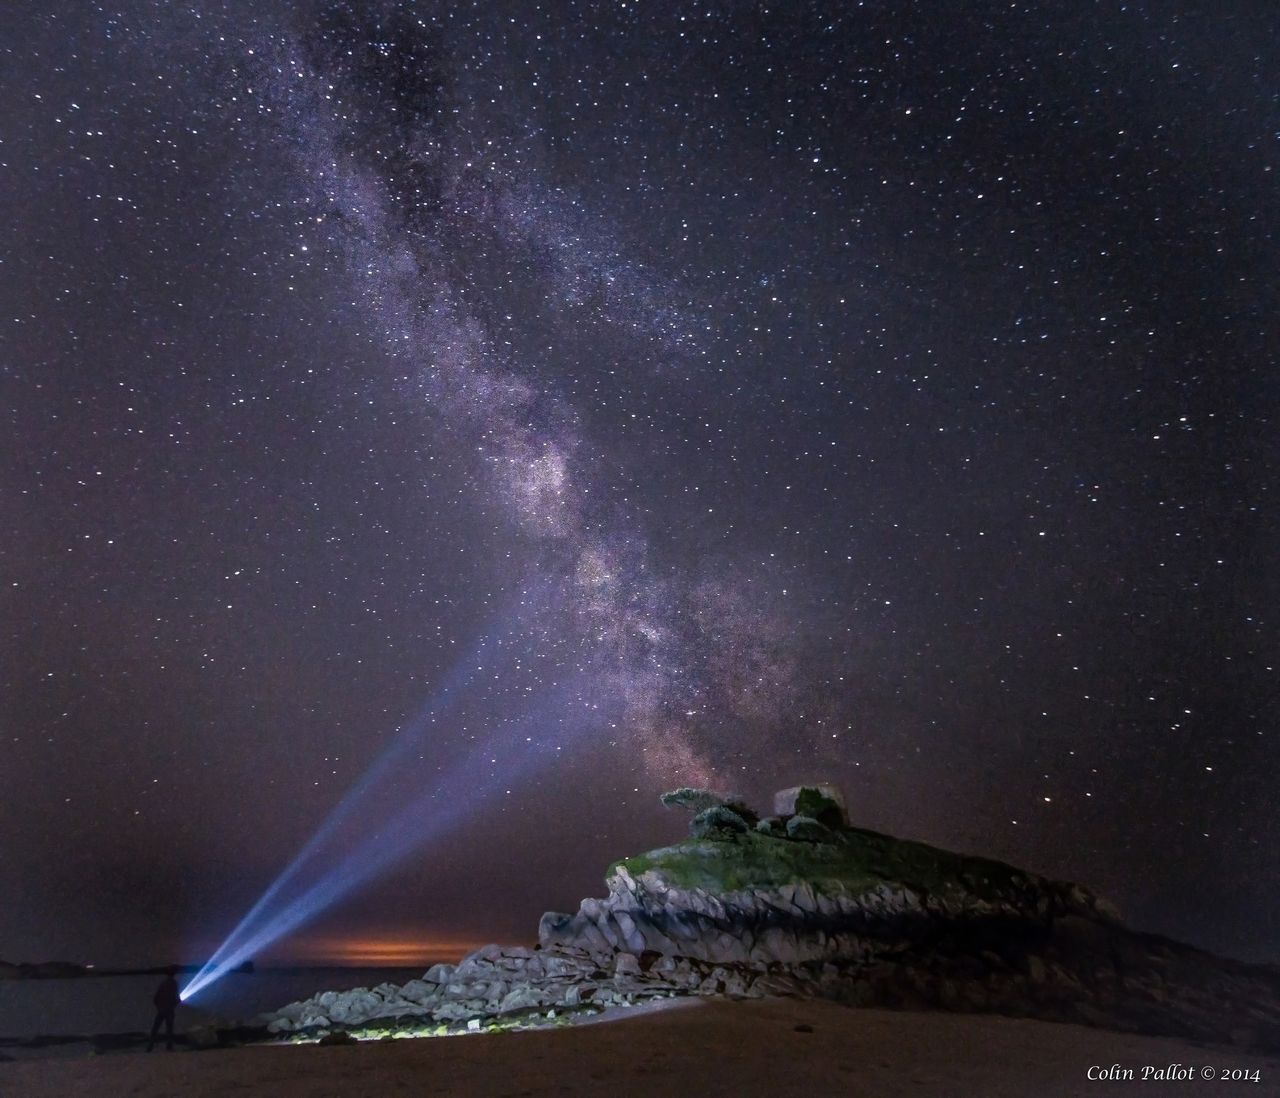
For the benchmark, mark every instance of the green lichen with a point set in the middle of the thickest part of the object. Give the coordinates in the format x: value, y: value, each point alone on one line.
x: 694, y: 800
x: 806, y: 829
x: 858, y: 861
x: 817, y: 805
x: 715, y: 822
x: 699, y: 801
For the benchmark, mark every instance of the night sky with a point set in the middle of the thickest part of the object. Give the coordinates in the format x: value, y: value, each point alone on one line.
x: 716, y: 393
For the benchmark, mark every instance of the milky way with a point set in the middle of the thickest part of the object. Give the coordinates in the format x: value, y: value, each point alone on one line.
x: 729, y: 393
x: 425, y: 200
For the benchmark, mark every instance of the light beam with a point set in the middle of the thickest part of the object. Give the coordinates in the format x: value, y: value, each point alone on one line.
x: 248, y: 935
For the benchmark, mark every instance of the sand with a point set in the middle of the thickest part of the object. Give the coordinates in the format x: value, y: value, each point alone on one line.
x: 690, y: 1048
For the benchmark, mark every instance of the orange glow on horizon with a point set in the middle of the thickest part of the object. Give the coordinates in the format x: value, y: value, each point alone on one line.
x: 376, y: 952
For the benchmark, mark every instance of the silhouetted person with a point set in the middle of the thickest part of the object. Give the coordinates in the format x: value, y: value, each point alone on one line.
x: 166, y: 1000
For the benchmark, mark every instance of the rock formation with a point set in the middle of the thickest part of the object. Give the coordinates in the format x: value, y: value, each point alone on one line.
x: 801, y: 903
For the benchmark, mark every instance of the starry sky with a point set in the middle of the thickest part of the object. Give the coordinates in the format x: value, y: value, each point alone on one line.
x: 722, y: 393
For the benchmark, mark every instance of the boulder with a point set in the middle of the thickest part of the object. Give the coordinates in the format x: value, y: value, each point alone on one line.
x: 627, y: 964
x: 355, y: 1006
x: 631, y: 936
x: 806, y: 829
x: 481, y: 962
x: 822, y: 801
x: 553, y: 927
x: 560, y: 965
x: 458, y: 1011
x: 420, y: 991
x: 717, y: 822
x: 293, y: 1012
x: 694, y: 800
x: 522, y: 998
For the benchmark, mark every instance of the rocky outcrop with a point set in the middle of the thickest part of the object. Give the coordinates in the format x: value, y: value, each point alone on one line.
x: 800, y: 903
x: 494, y: 985
x: 791, y: 923
x: 869, y: 919
x: 821, y: 801
x: 805, y: 892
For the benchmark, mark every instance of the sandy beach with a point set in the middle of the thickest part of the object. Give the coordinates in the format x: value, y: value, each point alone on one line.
x: 688, y: 1047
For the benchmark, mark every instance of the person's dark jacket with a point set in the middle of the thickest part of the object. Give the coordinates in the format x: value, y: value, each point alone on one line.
x: 166, y: 997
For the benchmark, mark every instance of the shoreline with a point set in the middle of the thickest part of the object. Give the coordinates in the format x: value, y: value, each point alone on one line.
x: 772, y: 1046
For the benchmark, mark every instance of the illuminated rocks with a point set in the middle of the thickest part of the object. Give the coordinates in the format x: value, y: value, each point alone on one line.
x: 800, y: 892
x: 802, y: 903
x: 806, y: 905
x: 626, y: 964
x: 419, y: 991
x: 494, y: 985
x: 522, y: 998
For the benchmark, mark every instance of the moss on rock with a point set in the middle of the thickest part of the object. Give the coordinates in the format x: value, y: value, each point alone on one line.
x: 817, y: 805
x: 716, y: 822
x: 695, y: 800
x: 806, y: 829
x: 701, y: 801
x: 857, y: 861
